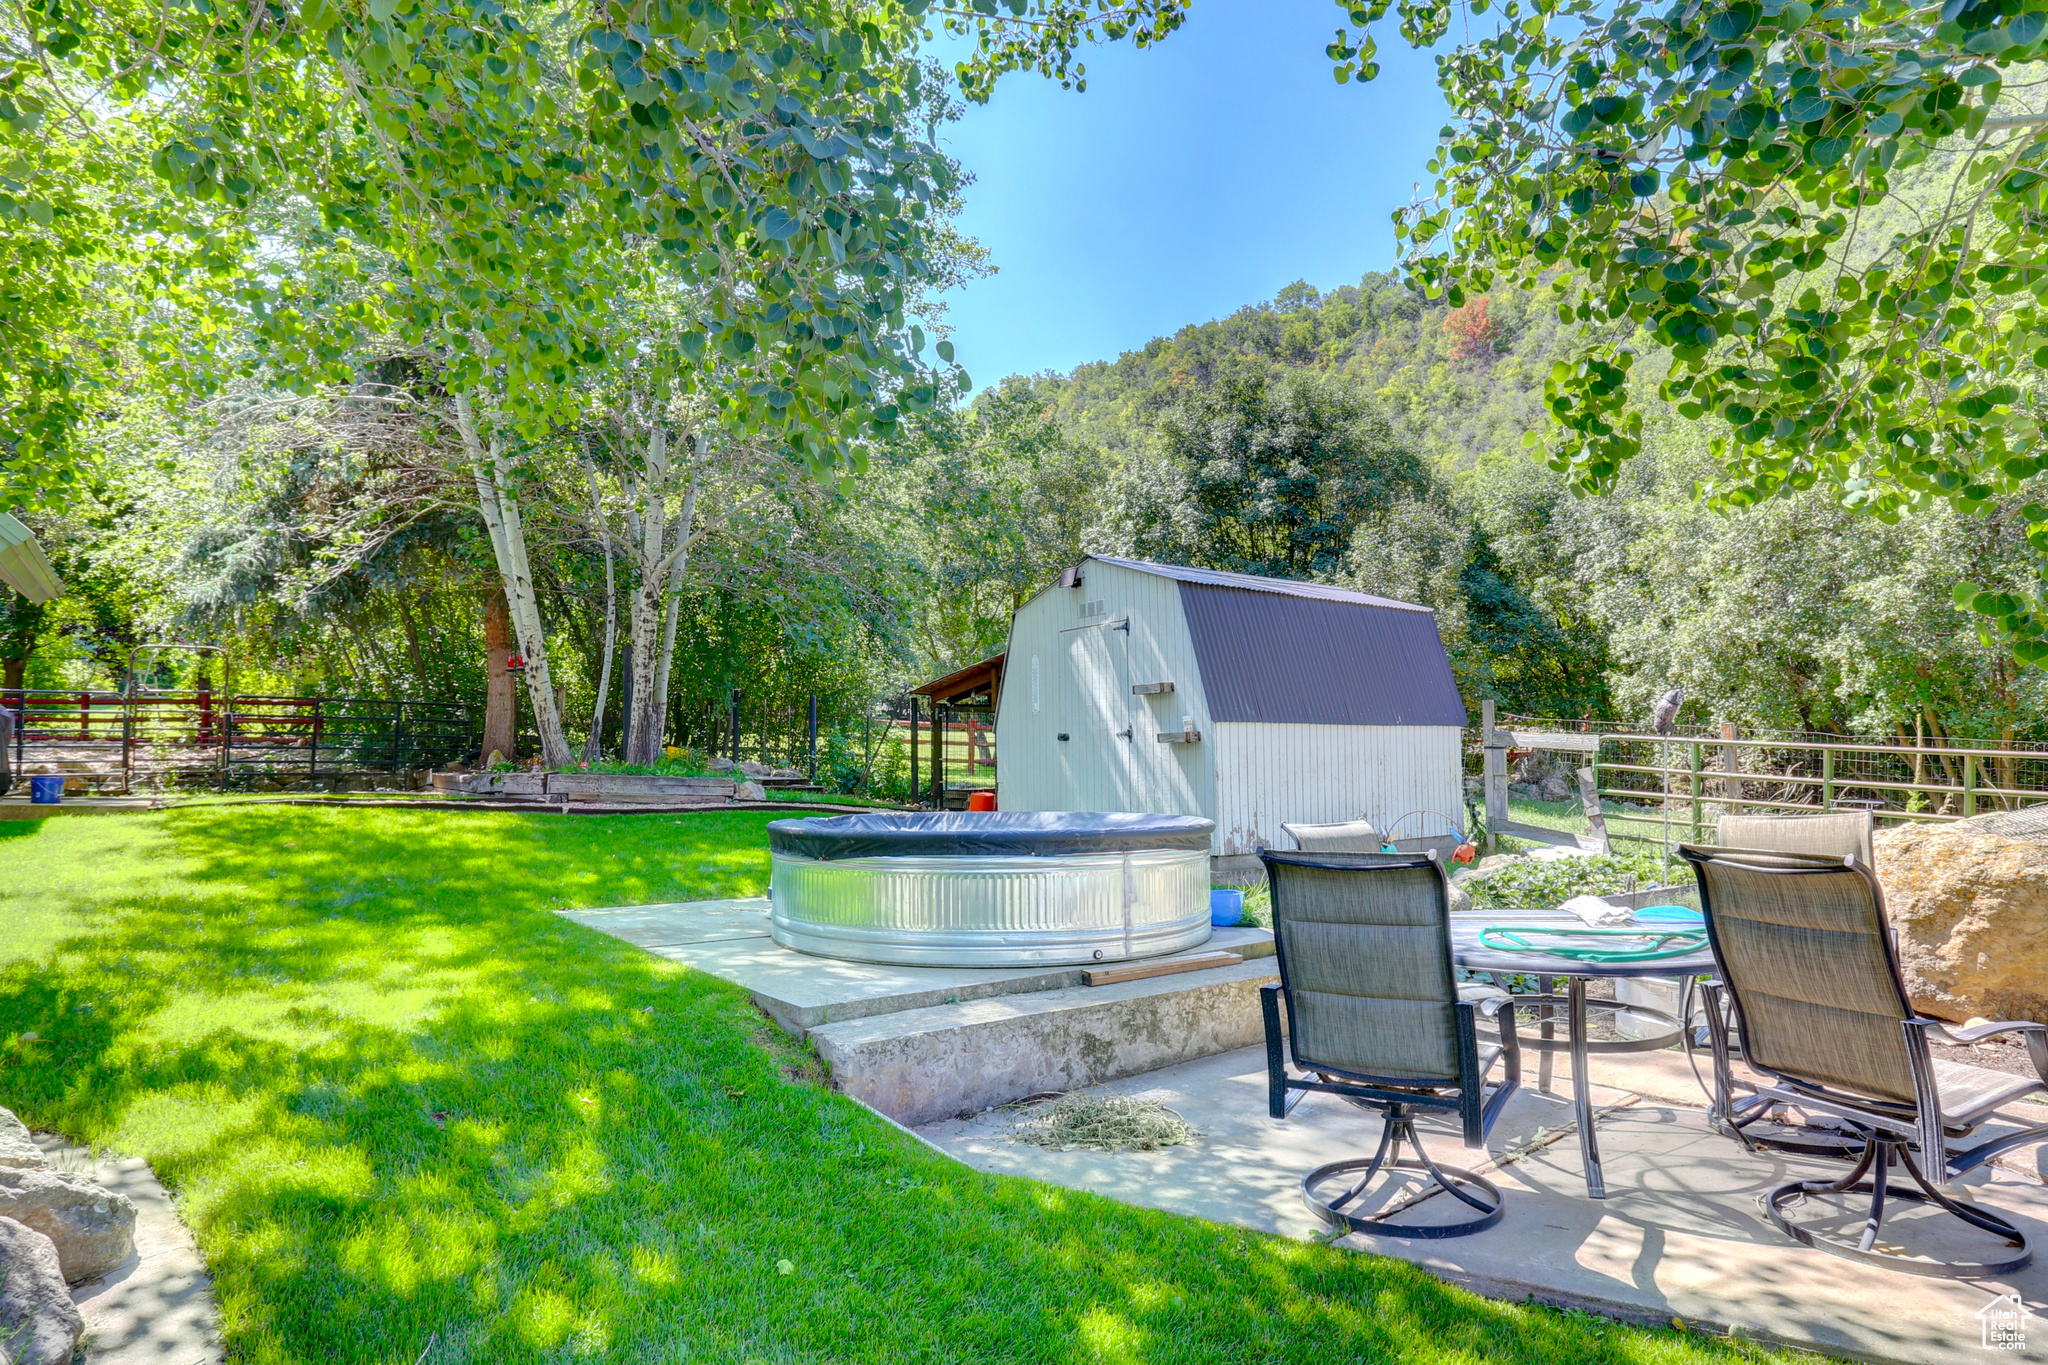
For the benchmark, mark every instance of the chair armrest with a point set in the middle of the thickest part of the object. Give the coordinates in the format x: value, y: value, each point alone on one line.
x: 2036, y: 1035
x: 1971, y: 1035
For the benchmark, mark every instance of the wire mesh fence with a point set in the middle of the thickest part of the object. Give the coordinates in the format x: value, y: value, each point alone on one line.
x: 1667, y: 788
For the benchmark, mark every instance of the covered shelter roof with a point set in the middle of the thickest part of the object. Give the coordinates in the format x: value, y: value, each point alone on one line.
x: 976, y: 685
x: 23, y: 565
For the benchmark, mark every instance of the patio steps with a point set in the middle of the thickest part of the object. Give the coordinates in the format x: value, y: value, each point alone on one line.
x: 921, y: 1065
x: 926, y: 1043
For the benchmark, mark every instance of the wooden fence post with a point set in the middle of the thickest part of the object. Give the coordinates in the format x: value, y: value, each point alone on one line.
x: 1589, y: 795
x: 1969, y: 785
x: 915, y: 794
x: 1731, y: 765
x: 1827, y: 779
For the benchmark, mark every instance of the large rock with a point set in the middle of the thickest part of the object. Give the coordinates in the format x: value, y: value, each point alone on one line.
x: 39, y: 1324
x: 93, y: 1228
x: 750, y: 791
x: 17, y: 1148
x: 1970, y: 903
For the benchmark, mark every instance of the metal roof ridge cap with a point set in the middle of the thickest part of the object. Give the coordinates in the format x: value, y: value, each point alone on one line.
x: 1278, y: 587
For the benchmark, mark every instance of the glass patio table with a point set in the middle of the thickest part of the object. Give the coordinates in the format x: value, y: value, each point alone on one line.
x: 1548, y: 969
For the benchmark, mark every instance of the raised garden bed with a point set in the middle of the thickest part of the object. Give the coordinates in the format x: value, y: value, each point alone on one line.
x: 607, y: 787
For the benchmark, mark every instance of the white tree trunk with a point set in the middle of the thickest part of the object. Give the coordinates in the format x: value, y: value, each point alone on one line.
x: 592, y: 743
x: 686, y: 524
x: 508, y: 543
x: 648, y: 518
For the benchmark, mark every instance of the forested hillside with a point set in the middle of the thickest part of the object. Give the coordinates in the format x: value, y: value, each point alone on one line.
x: 1378, y: 440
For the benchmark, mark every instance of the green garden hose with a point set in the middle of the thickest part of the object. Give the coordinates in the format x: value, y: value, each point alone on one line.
x: 1661, y: 943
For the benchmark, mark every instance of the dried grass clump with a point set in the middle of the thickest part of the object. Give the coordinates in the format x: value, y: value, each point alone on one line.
x: 1104, y: 1123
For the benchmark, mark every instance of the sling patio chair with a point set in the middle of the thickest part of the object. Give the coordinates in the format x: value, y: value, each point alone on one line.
x: 1807, y: 962
x: 1375, y: 1016
x: 1835, y: 834
x: 1345, y: 836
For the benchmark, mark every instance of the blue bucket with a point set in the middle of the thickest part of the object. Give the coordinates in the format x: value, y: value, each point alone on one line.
x: 1226, y: 906
x: 45, y: 791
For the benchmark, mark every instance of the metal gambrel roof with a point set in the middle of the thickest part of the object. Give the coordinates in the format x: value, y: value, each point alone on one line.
x: 23, y: 566
x: 1277, y: 651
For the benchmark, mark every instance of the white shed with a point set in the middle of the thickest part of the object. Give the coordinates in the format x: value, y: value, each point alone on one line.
x: 1253, y: 701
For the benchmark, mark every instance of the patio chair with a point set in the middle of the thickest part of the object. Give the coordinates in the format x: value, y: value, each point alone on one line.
x: 1807, y: 962
x: 1375, y: 1016
x: 1345, y: 836
x: 1835, y: 833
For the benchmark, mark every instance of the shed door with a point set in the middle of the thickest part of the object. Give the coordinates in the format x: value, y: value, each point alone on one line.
x: 1096, y: 716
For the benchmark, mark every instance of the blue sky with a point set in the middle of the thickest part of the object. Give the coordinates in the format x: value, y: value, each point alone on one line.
x: 1191, y: 179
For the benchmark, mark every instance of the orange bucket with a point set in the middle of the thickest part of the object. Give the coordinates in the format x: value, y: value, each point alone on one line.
x: 981, y: 800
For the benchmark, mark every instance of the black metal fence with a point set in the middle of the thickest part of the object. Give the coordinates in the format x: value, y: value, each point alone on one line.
x: 111, y: 741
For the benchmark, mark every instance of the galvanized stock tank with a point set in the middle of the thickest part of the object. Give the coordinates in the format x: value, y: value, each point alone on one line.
x: 990, y: 888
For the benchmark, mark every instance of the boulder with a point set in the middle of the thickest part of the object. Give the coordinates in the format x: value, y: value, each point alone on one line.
x: 1969, y: 902
x: 39, y: 1324
x: 753, y: 769
x: 750, y: 791
x: 721, y: 765
x: 17, y: 1148
x: 1557, y: 789
x: 93, y: 1228
x: 787, y: 772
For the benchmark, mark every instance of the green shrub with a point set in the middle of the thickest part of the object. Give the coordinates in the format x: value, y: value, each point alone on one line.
x: 1545, y: 885
x: 675, y: 763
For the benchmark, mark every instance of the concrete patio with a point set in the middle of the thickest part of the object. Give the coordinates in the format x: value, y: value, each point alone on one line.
x: 1678, y: 1237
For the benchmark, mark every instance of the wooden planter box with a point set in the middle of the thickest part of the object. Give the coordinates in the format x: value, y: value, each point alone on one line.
x: 586, y: 786
x: 637, y: 787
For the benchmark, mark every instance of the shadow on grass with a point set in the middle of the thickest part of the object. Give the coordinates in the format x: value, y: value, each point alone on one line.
x: 410, y: 1111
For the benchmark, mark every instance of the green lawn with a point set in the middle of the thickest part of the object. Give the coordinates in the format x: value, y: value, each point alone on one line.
x: 415, y: 1117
